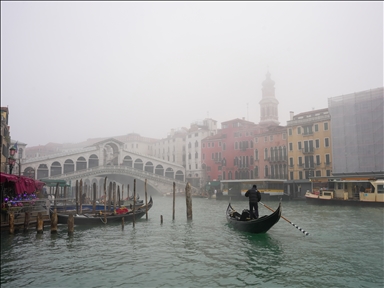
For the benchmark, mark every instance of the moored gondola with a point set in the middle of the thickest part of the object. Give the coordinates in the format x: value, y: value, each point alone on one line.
x: 100, y: 218
x: 260, y: 225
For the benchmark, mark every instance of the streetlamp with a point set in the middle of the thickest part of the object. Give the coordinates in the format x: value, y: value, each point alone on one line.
x: 11, y: 159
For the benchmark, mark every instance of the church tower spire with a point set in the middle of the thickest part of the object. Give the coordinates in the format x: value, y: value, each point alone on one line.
x: 268, y: 103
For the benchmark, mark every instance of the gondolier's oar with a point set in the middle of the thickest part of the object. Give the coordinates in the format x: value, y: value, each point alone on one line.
x: 302, y: 230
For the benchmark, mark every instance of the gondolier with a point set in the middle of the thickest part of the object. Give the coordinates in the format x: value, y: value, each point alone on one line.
x: 254, y: 197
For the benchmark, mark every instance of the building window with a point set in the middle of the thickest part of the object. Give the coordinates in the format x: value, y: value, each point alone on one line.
x: 290, y: 131
x: 328, y: 172
x: 327, y: 159
x: 256, y: 154
x: 298, y: 130
x: 266, y: 171
x: 317, y: 143
x: 291, y: 175
x: 317, y: 159
x: 290, y: 147
x: 318, y: 173
x: 325, y: 126
x: 300, y: 161
x: 284, y: 136
x: 316, y: 127
x: 299, y: 145
x: 326, y: 142
x: 265, y: 153
x: 300, y: 174
x: 256, y: 171
x: 290, y: 162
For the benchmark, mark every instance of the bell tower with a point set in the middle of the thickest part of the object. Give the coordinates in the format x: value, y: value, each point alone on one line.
x: 268, y: 103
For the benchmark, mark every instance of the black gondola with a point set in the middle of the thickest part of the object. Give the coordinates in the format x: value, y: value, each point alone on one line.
x: 260, y: 225
x: 100, y: 218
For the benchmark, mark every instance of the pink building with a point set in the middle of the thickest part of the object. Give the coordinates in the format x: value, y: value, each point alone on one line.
x: 245, y: 150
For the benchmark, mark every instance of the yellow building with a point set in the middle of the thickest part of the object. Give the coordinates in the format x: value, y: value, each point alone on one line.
x: 5, y: 139
x: 309, y: 145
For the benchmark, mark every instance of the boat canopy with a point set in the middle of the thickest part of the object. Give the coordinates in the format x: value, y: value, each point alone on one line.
x: 53, y: 182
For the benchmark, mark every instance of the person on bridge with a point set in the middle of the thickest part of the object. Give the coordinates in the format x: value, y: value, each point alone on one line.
x: 254, y: 197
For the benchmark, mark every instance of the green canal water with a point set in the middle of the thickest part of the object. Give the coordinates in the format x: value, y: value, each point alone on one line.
x: 345, y: 248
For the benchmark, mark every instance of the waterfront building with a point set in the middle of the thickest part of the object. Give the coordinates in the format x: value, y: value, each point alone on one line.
x: 271, y: 153
x: 138, y: 144
x: 357, y: 133
x: 195, y: 174
x: 172, y: 148
x: 245, y: 150
x: 270, y: 138
x: 5, y: 139
x: 309, y: 149
x: 229, y: 154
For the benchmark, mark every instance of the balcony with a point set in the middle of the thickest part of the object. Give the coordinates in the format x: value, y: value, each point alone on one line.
x: 309, y: 150
x: 278, y: 159
x: 309, y: 167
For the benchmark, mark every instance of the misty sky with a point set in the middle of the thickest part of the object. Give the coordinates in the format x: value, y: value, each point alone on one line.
x: 77, y: 70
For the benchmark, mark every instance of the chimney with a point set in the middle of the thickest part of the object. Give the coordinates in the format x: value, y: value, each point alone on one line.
x: 291, y: 115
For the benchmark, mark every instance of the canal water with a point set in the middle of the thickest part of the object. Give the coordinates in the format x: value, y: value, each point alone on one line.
x: 344, y: 249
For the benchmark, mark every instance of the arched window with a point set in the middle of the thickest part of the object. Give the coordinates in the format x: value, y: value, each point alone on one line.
x: 266, y: 171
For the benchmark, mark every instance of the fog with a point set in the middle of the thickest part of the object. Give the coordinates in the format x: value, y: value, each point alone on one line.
x: 77, y: 70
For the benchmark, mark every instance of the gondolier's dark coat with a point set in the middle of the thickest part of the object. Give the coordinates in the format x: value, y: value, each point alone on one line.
x: 254, y: 195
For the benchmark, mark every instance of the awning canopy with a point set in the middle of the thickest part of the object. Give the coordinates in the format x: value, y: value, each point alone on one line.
x: 53, y: 182
x: 22, y: 184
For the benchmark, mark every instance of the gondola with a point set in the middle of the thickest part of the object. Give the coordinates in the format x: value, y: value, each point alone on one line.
x: 100, y: 218
x: 242, y: 221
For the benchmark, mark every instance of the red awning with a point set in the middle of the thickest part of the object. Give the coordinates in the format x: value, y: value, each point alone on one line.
x: 22, y: 184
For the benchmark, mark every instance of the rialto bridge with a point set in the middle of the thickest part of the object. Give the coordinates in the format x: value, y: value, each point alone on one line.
x: 108, y: 158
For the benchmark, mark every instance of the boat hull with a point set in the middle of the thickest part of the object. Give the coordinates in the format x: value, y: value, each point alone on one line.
x: 256, y: 226
x: 342, y: 202
x: 99, y: 218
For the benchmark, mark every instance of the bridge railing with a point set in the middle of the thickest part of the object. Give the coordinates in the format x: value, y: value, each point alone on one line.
x: 118, y: 169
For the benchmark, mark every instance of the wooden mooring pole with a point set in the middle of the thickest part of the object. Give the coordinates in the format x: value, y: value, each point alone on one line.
x: 71, y: 224
x: 11, y: 222
x: 39, y: 223
x: 54, y: 214
x: 174, y: 196
x: 114, y: 198
x: 134, y: 201
x: 105, y: 200
x: 146, y: 200
x: 77, y: 196
x: 26, y: 221
x: 94, y: 198
x: 81, y: 196
x: 188, y: 198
